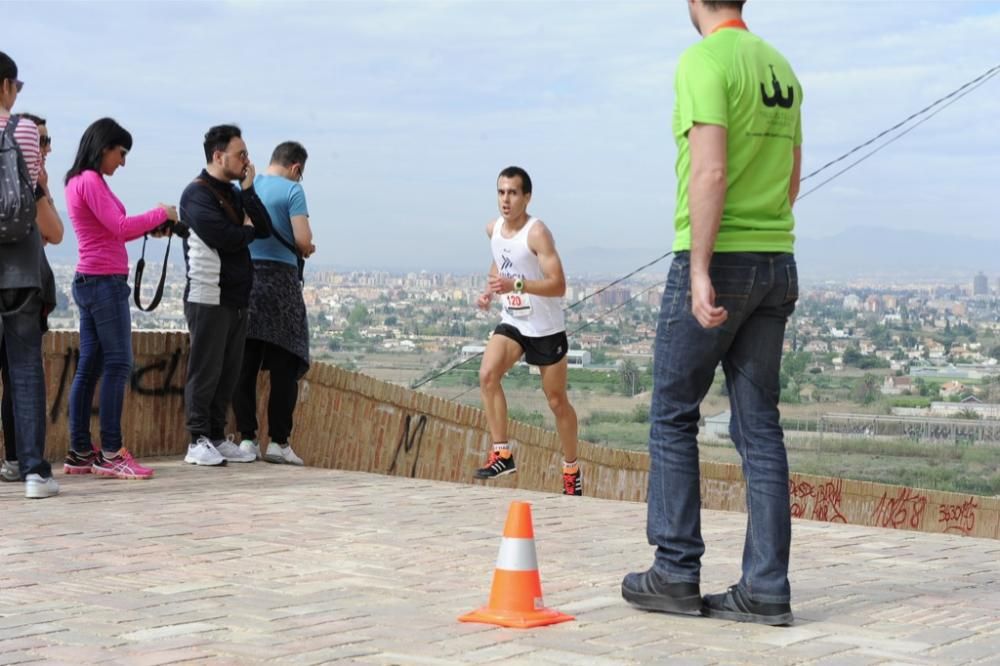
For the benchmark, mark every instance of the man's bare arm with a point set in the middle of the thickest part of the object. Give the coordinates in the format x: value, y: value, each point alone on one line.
x: 796, y: 181
x: 303, y: 234
x: 706, y: 200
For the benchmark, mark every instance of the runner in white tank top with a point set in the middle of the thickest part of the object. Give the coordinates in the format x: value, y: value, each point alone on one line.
x: 534, y: 316
x: 528, y: 278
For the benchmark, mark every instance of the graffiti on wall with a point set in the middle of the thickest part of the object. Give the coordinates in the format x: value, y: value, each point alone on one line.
x: 156, y: 378
x: 905, y: 509
x: 958, y: 518
x: 410, y: 438
x: 825, y: 499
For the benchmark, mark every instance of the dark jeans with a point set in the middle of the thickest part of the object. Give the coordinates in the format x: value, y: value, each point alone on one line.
x: 218, y: 333
x: 24, y: 379
x: 284, y: 368
x: 105, y: 354
x: 759, y: 291
x: 7, y: 408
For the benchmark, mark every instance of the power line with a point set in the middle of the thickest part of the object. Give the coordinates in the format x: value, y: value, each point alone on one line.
x: 576, y: 330
x: 436, y: 375
x: 981, y: 78
x: 954, y: 96
x: 899, y: 136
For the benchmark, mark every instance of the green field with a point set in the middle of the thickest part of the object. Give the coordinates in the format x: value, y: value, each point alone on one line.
x: 960, y: 469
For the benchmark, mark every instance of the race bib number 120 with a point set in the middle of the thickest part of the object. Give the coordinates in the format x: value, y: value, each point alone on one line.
x: 517, y: 305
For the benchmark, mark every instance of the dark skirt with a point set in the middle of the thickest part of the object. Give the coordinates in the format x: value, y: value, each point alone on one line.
x: 277, y: 310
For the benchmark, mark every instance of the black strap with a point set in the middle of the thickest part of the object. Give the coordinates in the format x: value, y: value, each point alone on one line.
x: 140, y: 266
x: 299, y: 259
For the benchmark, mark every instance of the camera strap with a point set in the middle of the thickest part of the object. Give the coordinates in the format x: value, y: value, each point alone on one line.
x: 140, y: 267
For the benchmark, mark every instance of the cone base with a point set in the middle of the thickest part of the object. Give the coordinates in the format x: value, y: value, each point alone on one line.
x: 516, y: 619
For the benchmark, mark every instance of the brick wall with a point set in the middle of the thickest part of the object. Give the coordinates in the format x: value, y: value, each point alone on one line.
x: 346, y: 420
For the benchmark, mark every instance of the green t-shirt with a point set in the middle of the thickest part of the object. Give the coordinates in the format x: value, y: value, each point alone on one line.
x: 735, y: 79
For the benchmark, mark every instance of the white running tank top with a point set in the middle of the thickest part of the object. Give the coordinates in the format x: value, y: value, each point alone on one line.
x: 534, y: 316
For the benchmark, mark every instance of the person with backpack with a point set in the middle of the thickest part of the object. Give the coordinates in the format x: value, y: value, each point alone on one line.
x: 101, y: 291
x: 50, y: 226
x: 21, y: 284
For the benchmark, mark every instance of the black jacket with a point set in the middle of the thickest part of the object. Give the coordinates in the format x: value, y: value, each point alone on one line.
x: 219, y: 271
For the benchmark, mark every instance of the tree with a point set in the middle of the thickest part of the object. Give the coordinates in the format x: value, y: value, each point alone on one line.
x: 359, y: 315
x: 866, y: 390
x: 628, y: 374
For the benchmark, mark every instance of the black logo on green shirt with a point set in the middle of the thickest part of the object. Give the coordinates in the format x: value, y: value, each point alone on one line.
x: 777, y: 99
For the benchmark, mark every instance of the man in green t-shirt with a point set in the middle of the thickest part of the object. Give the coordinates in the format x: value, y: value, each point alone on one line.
x: 731, y: 288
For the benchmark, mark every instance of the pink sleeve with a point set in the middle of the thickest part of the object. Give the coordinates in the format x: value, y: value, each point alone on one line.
x: 109, y: 211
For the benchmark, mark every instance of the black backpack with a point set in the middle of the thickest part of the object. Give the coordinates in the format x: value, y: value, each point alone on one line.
x: 17, y: 199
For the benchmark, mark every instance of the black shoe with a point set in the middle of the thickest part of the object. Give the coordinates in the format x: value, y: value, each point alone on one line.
x: 734, y: 604
x: 496, y: 466
x: 650, y: 591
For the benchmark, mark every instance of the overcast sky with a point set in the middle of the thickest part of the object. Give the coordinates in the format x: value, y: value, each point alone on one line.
x: 408, y: 110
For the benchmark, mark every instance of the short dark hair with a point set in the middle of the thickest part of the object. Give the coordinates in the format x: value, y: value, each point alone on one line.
x: 38, y: 120
x: 8, y: 68
x: 218, y: 138
x: 102, y: 134
x: 512, y: 171
x: 289, y: 153
x: 716, y: 5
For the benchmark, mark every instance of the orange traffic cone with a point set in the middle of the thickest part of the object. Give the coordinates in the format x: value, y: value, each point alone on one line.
x: 516, y: 597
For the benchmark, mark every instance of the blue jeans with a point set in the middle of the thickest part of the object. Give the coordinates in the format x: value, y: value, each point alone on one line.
x: 22, y: 337
x: 759, y: 291
x: 105, y: 349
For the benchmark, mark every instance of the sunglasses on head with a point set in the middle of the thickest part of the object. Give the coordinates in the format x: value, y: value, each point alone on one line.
x: 44, y: 141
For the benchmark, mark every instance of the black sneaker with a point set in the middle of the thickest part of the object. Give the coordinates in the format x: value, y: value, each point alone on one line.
x: 651, y: 591
x: 496, y: 466
x: 572, y: 482
x: 79, y: 463
x: 734, y: 604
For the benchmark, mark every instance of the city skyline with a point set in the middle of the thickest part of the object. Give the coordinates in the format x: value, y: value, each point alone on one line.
x: 410, y: 108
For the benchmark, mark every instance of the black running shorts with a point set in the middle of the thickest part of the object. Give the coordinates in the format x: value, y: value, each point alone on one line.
x: 546, y: 350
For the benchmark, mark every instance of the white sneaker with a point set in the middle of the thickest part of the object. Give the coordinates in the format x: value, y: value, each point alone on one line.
x: 10, y: 471
x: 232, y: 452
x: 35, y: 487
x: 281, y: 455
x: 203, y: 452
x: 250, y: 446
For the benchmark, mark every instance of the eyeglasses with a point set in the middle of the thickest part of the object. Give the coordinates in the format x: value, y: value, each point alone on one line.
x: 44, y: 141
x: 18, y: 84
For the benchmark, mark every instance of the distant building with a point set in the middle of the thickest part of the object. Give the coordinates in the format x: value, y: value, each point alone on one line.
x: 980, y: 285
x: 613, y: 296
x: 897, y: 385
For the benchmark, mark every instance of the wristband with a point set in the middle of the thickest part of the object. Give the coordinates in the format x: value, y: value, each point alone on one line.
x: 518, y: 286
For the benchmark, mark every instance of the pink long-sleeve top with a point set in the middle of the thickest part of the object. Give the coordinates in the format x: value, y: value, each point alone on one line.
x: 101, y: 225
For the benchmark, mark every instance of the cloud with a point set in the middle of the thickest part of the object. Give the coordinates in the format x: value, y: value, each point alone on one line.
x: 409, y: 109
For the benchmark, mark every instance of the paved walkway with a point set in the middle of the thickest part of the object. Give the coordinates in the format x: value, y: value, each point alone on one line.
x: 262, y: 563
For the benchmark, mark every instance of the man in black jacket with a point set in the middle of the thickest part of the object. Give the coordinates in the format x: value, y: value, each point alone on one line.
x: 224, y: 221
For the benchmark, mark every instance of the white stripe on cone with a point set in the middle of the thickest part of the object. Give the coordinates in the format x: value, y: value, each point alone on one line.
x: 517, y: 555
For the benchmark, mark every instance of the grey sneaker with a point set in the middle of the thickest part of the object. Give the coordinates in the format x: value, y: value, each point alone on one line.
x: 282, y: 455
x: 250, y: 446
x: 232, y: 452
x: 10, y: 471
x: 36, y: 487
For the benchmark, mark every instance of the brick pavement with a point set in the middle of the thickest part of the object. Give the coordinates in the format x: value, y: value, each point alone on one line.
x: 268, y: 564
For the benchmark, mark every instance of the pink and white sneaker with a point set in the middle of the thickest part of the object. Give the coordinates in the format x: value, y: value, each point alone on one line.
x: 120, y: 466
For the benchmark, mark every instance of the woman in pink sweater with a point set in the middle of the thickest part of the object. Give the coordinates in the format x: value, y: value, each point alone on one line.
x: 101, y: 292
